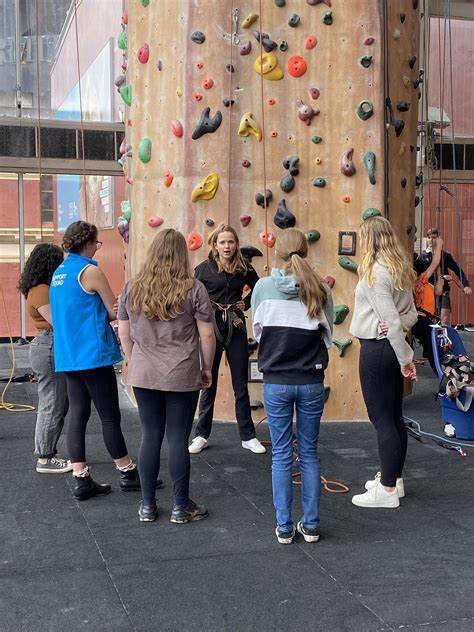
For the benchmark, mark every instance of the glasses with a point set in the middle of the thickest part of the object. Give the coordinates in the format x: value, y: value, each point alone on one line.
x: 98, y: 244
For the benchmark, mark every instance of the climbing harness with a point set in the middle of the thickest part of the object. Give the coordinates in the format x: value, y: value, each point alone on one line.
x: 230, y: 317
x: 458, y: 377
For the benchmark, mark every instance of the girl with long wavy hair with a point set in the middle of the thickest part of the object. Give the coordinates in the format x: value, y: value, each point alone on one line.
x: 165, y: 326
x: 293, y: 319
x: 52, y: 393
x: 225, y: 273
x: 384, y: 313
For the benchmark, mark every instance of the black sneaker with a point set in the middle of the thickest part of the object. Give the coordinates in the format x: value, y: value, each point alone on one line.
x: 85, y: 487
x: 191, y: 513
x: 309, y: 535
x: 130, y: 481
x: 147, y: 513
x: 285, y: 537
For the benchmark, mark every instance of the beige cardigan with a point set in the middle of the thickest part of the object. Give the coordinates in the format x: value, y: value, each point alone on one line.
x: 383, y: 302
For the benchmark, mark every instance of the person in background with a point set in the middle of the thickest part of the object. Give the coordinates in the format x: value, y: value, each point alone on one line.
x: 292, y: 320
x: 384, y: 295
x: 224, y: 274
x: 165, y: 321
x: 52, y: 393
x: 85, y: 349
x: 447, y: 264
x: 425, y: 300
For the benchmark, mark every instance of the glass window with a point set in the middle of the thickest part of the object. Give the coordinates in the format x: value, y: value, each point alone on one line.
x: 450, y: 162
x: 469, y: 157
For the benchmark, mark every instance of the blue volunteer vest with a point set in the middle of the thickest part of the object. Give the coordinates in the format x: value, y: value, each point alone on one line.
x: 83, y: 337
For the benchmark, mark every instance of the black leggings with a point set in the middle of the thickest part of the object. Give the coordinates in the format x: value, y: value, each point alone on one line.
x: 382, y: 388
x: 173, y: 412
x: 99, y: 386
x: 422, y: 332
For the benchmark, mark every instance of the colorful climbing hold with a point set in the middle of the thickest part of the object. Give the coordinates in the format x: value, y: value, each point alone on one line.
x: 177, y: 128
x: 198, y: 37
x: 347, y: 263
x: 271, y: 101
x: 267, y: 42
x: 280, y: 3
x: 369, y: 41
x: 330, y: 280
x: 274, y: 134
x: 250, y: 251
x: 262, y: 200
x: 328, y: 18
x: 371, y: 212
x: 318, y: 160
x: 294, y: 20
x: 206, y: 189
x: 246, y: 163
x: 208, y: 83
x: 347, y: 165
x: 346, y: 199
x: 168, y: 179
x: 194, y: 241
x: 402, y: 17
x: 245, y: 219
x: 305, y: 112
x: 245, y: 49
x: 267, y: 65
x: 249, y: 126
x: 311, y: 42
x: 284, y: 218
x: 297, y: 66
x: 144, y: 150
x: 199, y: 65
x: 319, y: 182
x: 287, y: 183
x: 369, y: 162
x: 268, y: 239
x: 342, y: 345
x: 403, y: 182
x: 209, y: 221
x: 403, y: 106
x: 228, y: 102
x: 125, y: 18
x: 230, y: 68
x: 315, y: 2
x: 313, y: 235
x: 122, y: 41
x: 120, y: 80
x: 366, y: 61
x: 365, y: 109
x: 143, y: 53
x: 197, y: 96
x: 283, y: 46
x: 179, y: 92
x: 340, y: 313
x: 316, y: 139
x: 145, y: 3
x: 207, y: 125
x: 396, y: 34
x: 159, y: 65
x: 402, y: 149
x: 406, y: 81
x: 291, y: 163
x: 155, y: 221
x: 314, y: 93
x: 249, y: 20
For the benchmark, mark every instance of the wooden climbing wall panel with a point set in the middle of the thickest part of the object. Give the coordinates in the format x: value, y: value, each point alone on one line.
x: 344, y: 63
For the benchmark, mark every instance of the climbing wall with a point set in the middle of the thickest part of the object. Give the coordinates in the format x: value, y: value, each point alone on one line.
x: 228, y: 99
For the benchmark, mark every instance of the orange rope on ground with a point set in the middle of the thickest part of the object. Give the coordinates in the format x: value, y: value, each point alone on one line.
x: 80, y: 109
x: 262, y: 105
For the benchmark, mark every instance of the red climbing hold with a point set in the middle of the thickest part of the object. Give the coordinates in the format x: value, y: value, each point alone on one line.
x: 177, y: 128
x: 314, y: 93
x: 208, y: 83
x: 129, y: 181
x: 125, y: 18
x: 271, y: 101
x: 297, y: 66
x: 129, y: 122
x: 311, y: 42
x: 168, y: 179
x: 194, y: 241
x: 199, y: 65
x: 274, y: 134
x: 197, y: 96
x: 267, y: 239
x: 346, y: 199
x: 246, y: 163
x: 155, y: 221
x: 124, y: 66
x: 245, y: 220
x: 369, y: 41
x: 143, y: 53
x: 330, y: 280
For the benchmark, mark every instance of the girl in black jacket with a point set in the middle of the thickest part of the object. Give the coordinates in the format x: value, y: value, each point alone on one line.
x: 225, y: 273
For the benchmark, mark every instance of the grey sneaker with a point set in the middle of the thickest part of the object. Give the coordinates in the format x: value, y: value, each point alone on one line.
x: 285, y: 537
x: 54, y: 465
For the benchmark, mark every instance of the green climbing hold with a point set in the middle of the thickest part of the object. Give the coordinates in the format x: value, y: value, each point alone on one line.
x: 283, y: 46
x: 313, y: 235
x: 319, y: 182
x: 340, y: 313
x: 371, y: 212
x: 366, y: 61
x: 365, y: 110
x: 347, y: 263
x: 145, y: 3
x: 327, y: 392
x: 126, y: 209
x: 316, y: 139
x: 144, y: 150
x: 126, y: 94
x: 280, y: 3
x: 369, y: 162
x: 122, y: 41
x: 342, y: 345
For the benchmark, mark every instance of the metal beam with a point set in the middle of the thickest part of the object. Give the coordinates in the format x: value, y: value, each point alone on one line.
x: 10, y: 164
x: 460, y: 9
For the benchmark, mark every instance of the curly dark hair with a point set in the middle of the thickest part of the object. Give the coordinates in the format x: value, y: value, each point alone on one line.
x: 78, y: 235
x: 40, y: 266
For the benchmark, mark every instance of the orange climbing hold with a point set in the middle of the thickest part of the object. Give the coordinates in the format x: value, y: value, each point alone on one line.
x: 168, y: 179
x: 143, y: 53
x: 177, y: 129
x: 274, y: 134
x: 297, y: 66
x: 267, y: 239
x: 208, y: 83
x: 346, y: 199
x: 311, y: 42
x: 155, y: 221
x: 194, y: 241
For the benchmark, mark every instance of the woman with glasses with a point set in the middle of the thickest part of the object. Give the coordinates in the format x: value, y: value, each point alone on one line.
x: 85, y: 349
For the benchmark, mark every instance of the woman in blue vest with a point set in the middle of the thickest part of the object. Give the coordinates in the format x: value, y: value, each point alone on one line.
x: 85, y: 349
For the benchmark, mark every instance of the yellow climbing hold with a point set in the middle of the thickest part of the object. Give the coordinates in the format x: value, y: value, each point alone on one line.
x: 248, y: 125
x: 179, y: 92
x: 402, y: 149
x: 267, y: 65
x: 206, y: 189
x: 318, y: 160
x: 406, y: 81
x: 249, y: 20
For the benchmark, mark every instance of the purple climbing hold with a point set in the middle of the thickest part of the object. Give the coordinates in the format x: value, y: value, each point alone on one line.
x: 314, y: 93
x: 246, y: 48
x: 267, y: 43
x: 347, y: 166
x: 305, y: 112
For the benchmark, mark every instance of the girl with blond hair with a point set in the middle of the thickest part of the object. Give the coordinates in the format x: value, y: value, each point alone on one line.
x: 225, y: 273
x: 384, y: 294
x: 293, y: 320
x: 165, y: 326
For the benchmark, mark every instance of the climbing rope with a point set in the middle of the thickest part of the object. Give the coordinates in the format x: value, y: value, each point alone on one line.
x: 80, y: 109
x: 262, y: 106
x: 414, y: 429
x: 38, y: 126
x: 234, y: 25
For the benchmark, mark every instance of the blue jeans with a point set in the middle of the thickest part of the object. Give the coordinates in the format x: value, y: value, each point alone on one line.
x: 280, y: 401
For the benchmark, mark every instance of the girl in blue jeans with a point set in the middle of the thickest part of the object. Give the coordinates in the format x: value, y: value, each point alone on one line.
x: 293, y: 320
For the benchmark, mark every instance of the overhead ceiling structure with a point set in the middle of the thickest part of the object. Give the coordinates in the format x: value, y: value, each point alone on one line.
x: 461, y: 9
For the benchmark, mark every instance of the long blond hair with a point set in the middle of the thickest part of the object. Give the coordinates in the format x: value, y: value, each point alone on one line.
x: 160, y: 288
x: 292, y: 249
x: 237, y: 263
x: 381, y: 244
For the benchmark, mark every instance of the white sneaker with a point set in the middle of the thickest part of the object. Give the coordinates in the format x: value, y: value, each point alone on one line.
x: 399, y: 484
x: 254, y: 445
x: 377, y: 497
x: 198, y: 444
